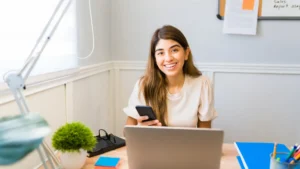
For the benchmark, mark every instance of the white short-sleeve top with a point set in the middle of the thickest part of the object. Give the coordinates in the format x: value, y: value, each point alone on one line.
x: 195, y: 100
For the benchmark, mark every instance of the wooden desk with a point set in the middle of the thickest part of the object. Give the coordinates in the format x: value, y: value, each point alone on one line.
x: 228, y: 160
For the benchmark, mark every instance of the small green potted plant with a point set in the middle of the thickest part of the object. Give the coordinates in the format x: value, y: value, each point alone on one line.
x: 73, y: 140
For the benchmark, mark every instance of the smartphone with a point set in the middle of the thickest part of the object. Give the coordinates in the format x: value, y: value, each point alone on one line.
x: 146, y: 111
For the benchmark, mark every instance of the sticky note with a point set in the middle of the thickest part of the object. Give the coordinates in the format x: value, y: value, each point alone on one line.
x: 107, y: 161
x: 248, y: 4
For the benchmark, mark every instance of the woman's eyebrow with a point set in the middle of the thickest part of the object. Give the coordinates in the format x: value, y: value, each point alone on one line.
x: 176, y: 45
x: 158, y: 49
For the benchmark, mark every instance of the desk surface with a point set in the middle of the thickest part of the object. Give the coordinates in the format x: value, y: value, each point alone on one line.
x: 228, y: 160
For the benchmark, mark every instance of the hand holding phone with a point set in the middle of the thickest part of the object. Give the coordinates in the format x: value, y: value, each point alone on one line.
x: 147, y: 116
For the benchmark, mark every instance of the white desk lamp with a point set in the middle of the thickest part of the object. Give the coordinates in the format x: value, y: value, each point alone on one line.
x: 16, y: 80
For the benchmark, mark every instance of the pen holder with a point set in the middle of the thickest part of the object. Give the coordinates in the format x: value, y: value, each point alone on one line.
x: 282, y: 164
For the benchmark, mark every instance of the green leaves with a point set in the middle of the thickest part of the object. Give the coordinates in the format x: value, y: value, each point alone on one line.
x: 73, y: 136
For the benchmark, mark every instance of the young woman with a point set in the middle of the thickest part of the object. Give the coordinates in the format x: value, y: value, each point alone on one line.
x: 175, y: 89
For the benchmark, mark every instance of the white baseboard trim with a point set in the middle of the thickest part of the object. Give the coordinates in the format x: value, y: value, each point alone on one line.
x: 250, y: 68
x: 223, y: 67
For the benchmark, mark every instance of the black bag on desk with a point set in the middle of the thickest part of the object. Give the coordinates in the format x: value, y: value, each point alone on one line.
x: 105, y: 143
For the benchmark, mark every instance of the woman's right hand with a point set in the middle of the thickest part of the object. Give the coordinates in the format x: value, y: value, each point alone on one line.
x: 147, y: 123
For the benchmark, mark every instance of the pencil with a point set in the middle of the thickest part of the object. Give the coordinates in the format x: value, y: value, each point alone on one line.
x: 274, y: 151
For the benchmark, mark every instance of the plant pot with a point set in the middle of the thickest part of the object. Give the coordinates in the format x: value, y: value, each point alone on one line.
x: 73, y: 160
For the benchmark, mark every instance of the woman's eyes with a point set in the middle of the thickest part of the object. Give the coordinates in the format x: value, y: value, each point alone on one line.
x: 175, y: 50
x: 159, y: 53
x: 162, y: 53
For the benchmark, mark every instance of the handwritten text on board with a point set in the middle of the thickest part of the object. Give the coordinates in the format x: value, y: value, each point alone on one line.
x: 281, y: 8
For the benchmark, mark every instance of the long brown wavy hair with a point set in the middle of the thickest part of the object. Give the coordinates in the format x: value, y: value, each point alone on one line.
x: 154, y: 83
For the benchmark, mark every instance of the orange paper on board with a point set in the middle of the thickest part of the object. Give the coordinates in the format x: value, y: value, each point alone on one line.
x: 248, y: 4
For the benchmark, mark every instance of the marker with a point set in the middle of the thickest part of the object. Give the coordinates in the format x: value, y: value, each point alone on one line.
x: 291, y: 153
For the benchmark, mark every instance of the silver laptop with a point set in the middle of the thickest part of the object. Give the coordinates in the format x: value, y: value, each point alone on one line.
x: 173, y: 147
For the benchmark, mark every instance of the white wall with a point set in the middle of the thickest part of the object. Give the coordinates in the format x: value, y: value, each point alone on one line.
x: 134, y: 21
x: 101, y: 13
x: 298, y: 132
x: 91, y: 102
x: 257, y: 106
x: 127, y: 79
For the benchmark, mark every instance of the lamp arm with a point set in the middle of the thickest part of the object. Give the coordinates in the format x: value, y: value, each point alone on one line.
x: 45, y: 29
x: 44, y: 38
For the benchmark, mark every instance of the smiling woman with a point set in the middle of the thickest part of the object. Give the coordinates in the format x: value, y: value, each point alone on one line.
x: 176, y: 90
x: 170, y: 57
x: 22, y: 24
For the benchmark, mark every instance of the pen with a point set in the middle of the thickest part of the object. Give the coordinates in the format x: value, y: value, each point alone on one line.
x: 291, y: 153
x: 274, y: 150
x: 298, y: 148
x: 295, y: 159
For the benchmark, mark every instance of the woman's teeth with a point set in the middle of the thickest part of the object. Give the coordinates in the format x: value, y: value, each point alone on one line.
x: 170, y: 66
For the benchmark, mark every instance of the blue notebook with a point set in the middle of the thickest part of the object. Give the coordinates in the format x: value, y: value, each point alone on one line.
x: 107, y: 161
x: 256, y: 155
x: 240, y: 162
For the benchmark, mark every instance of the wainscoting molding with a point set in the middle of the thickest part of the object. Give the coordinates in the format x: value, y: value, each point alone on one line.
x: 209, y: 69
x: 223, y: 67
x: 43, y: 82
